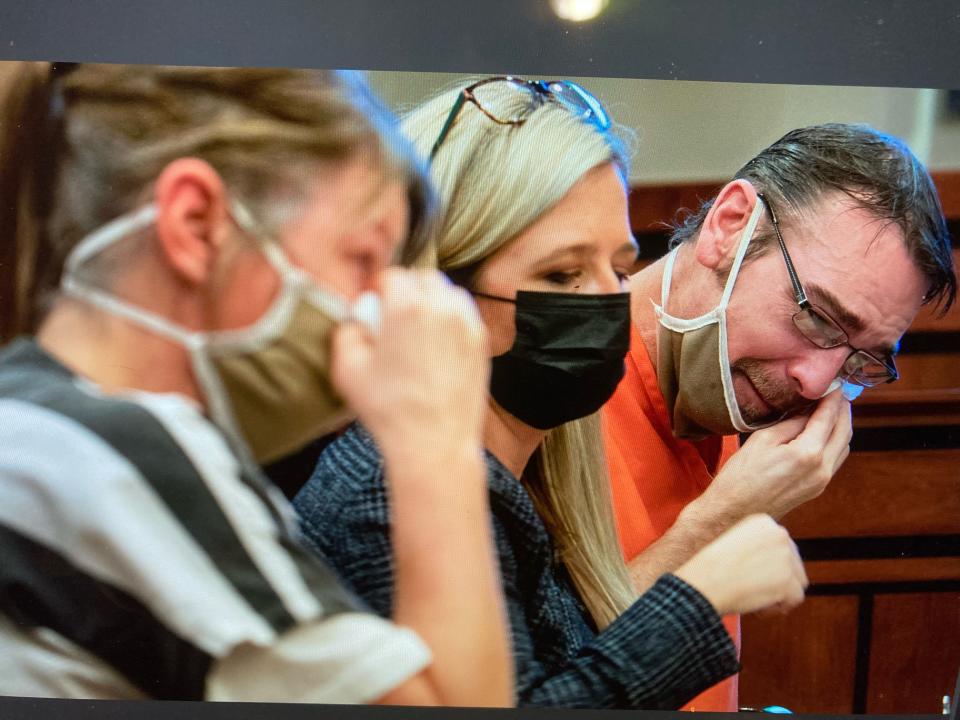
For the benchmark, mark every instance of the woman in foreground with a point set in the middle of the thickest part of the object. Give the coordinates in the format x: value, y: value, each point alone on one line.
x: 216, y: 228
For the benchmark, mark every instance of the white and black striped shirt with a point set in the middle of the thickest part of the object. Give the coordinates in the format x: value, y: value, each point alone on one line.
x: 139, y: 559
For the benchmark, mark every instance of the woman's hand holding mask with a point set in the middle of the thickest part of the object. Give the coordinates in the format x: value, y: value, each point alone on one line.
x: 418, y: 380
x: 423, y: 373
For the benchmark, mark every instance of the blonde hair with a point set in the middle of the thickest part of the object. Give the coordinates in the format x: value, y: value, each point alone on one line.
x: 101, y: 134
x: 493, y: 181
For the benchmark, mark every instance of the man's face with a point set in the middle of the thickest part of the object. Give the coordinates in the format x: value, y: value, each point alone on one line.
x: 852, y: 265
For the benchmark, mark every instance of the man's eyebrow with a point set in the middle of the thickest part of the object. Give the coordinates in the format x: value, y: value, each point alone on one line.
x: 850, y: 321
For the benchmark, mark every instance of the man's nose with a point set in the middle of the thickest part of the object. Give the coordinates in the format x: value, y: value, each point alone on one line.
x: 815, y: 370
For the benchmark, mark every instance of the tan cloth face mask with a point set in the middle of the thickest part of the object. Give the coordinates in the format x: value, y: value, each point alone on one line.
x: 267, y: 386
x: 693, y: 366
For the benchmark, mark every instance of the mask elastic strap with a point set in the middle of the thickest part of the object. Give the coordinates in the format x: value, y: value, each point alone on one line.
x: 219, y: 408
x: 295, y: 282
x: 729, y: 396
x: 493, y: 297
x: 327, y: 301
x: 667, y: 277
x: 97, y: 241
x: 119, y: 228
x: 144, y: 318
x: 745, y: 239
x: 94, y: 244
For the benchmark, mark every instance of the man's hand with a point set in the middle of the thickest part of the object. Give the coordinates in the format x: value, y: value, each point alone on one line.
x: 780, y: 467
x: 777, y: 469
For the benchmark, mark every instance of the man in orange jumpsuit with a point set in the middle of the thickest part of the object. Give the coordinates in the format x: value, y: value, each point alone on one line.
x: 796, y: 280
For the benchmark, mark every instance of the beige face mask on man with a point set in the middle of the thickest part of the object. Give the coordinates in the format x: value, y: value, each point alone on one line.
x: 693, y: 365
x: 267, y: 386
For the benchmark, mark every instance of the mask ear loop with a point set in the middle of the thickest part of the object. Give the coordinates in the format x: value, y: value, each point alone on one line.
x: 100, y: 239
x: 493, y: 297
x: 667, y: 277
x: 661, y: 310
x: 670, y: 322
x: 194, y: 342
x: 726, y: 373
x: 97, y: 242
x: 295, y: 280
x: 745, y: 239
x: 202, y: 347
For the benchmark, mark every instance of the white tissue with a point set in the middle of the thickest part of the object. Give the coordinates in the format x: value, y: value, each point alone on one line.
x: 366, y: 310
x: 837, y: 382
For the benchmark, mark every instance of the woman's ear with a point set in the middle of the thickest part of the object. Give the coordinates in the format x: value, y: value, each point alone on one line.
x: 193, y: 218
x: 719, y: 236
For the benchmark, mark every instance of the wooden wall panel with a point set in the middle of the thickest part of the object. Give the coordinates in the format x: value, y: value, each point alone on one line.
x: 914, y: 492
x: 915, y: 652
x: 930, y: 320
x: 651, y: 205
x: 948, y: 187
x: 921, y: 371
x: 907, y: 408
x: 805, y: 660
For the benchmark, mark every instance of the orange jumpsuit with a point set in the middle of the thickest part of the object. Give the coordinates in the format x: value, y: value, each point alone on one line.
x: 654, y: 475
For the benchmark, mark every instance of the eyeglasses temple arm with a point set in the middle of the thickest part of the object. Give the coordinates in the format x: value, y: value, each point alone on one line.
x: 445, y: 130
x: 801, y: 296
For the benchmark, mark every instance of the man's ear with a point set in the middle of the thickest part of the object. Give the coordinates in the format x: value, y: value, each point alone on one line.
x: 720, y: 234
x: 193, y: 219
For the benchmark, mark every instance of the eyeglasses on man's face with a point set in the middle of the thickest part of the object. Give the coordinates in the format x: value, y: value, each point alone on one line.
x: 816, y: 325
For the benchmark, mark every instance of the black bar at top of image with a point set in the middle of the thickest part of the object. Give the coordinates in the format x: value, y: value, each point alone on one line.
x: 906, y: 43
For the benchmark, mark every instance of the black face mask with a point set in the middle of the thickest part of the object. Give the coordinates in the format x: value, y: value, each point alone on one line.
x: 567, y: 358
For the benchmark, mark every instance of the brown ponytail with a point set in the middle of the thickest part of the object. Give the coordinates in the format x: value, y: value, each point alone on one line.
x: 24, y: 103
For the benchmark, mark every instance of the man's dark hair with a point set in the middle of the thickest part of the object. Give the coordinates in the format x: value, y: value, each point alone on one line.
x: 878, y: 172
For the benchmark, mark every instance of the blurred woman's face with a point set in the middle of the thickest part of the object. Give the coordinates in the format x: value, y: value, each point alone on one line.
x: 351, y: 226
x: 583, y: 244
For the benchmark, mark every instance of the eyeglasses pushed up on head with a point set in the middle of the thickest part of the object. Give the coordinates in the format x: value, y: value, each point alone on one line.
x: 487, y: 96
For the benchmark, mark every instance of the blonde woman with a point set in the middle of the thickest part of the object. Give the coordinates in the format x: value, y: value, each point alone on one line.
x: 533, y: 222
x: 215, y: 228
